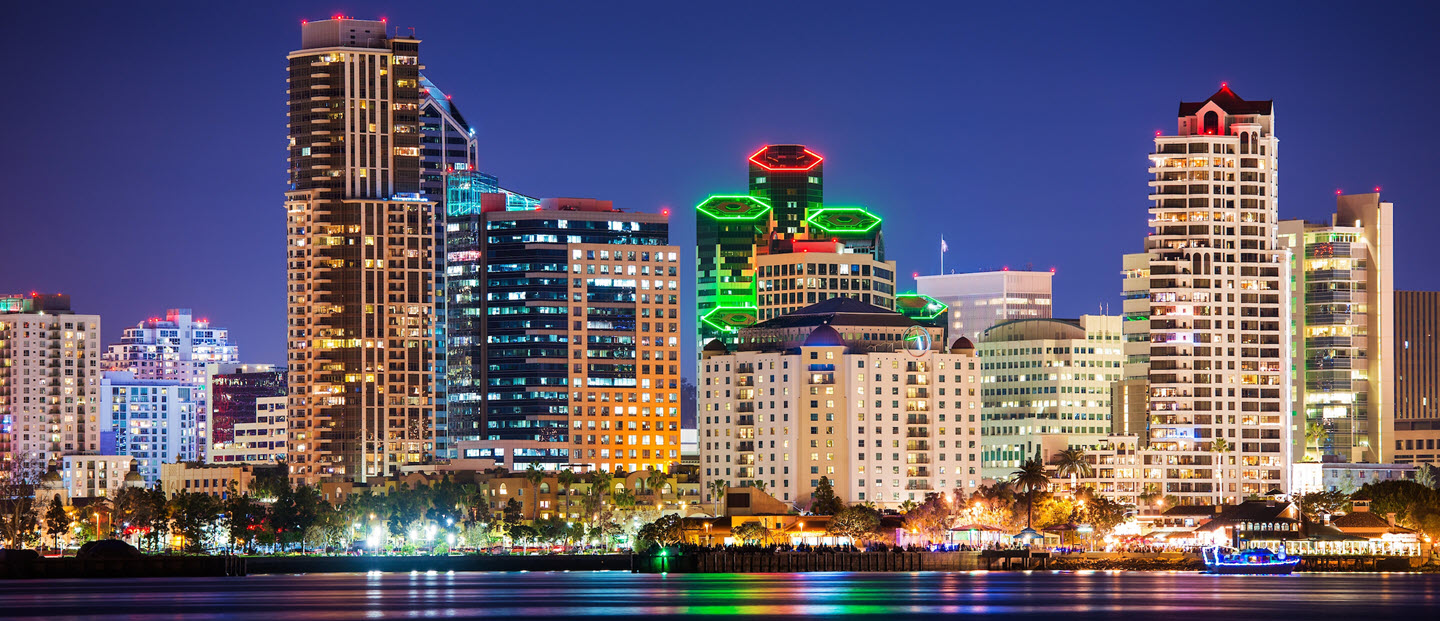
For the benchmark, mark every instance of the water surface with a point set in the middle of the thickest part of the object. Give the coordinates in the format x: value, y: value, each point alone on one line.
x: 615, y: 595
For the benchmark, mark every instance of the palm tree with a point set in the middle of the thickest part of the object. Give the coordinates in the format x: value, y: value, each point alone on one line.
x: 1220, y: 446
x: 718, y: 487
x: 1030, y: 477
x: 1072, y: 463
x: 567, y: 478
x: 535, y: 476
x: 759, y: 485
x: 656, y: 481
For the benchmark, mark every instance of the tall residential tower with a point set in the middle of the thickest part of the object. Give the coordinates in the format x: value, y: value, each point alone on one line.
x: 1212, y: 340
x: 361, y: 258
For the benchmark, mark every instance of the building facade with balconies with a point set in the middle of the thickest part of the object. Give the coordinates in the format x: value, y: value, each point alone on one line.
x: 1343, y: 336
x: 1214, y: 340
x: 49, y: 383
x: 856, y: 393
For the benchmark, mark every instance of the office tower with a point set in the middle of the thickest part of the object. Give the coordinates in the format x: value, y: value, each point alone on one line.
x: 1342, y: 338
x: 361, y: 257
x: 151, y: 420
x: 177, y: 347
x: 745, y: 268
x: 447, y: 144
x: 845, y: 390
x: 978, y: 300
x: 565, y: 337
x: 464, y: 302
x: 239, y: 396
x: 1417, y: 377
x: 49, y: 382
x: 1046, y: 388
x: 1217, y: 323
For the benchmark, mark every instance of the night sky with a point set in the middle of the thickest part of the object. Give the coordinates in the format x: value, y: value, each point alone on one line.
x: 144, y: 162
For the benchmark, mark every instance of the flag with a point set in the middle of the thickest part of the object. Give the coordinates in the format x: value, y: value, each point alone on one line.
x: 943, y: 246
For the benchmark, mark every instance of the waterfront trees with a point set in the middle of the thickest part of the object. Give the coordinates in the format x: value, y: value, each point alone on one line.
x: 751, y: 533
x: 823, y: 500
x: 1030, y: 478
x: 860, y: 523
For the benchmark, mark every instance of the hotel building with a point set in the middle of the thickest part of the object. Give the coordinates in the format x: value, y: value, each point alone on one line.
x: 783, y: 215
x: 845, y: 390
x: 1343, y: 336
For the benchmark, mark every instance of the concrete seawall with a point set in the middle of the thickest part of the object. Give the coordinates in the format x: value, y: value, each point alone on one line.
x: 345, y: 564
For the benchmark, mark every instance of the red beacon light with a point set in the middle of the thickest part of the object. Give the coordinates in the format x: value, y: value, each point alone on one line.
x: 1337, y: 191
x: 1377, y: 188
x: 665, y: 211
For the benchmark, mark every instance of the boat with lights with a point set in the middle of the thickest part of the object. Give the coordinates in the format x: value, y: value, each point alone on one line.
x: 1222, y: 560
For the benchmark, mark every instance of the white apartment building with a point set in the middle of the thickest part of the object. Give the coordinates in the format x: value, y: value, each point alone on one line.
x: 176, y: 347
x: 1213, y: 337
x: 152, y: 421
x: 258, y: 442
x: 49, y: 381
x: 1046, y: 388
x: 836, y: 390
x: 978, y: 300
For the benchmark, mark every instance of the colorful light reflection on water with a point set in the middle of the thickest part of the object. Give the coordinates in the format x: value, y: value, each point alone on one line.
x: 508, y: 596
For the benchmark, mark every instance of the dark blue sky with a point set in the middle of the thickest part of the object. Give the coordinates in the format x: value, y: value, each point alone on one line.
x: 144, y: 157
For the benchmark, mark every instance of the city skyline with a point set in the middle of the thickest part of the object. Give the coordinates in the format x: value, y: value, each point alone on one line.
x: 898, y: 156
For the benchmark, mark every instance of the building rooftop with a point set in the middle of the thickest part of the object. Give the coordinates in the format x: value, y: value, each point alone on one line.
x: 1229, y: 102
x: 841, y: 311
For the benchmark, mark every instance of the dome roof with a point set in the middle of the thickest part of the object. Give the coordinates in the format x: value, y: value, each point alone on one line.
x: 824, y: 336
x: 715, y: 346
x: 961, y: 343
x: 134, y: 476
x: 51, y: 476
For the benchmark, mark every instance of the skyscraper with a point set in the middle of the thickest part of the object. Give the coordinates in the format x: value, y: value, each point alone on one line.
x: 361, y: 259
x: 234, y: 393
x: 783, y: 214
x: 979, y: 300
x: 49, y: 383
x: 1343, y: 340
x: 564, y: 339
x: 151, y: 420
x: 1212, y: 338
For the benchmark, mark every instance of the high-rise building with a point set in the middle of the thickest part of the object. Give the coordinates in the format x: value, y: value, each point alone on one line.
x: 151, y: 420
x: 1046, y: 388
x: 467, y: 193
x: 842, y: 389
x: 361, y: 255
x: 1213, y: 341
x: 235, y: 393
x: 49, y: 383
x: 782, y: 215
x: 176, y: 348
x: 564, y: 339
x: 979, y: 300
x: 1342, y: 336
x: 1417, y: 377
